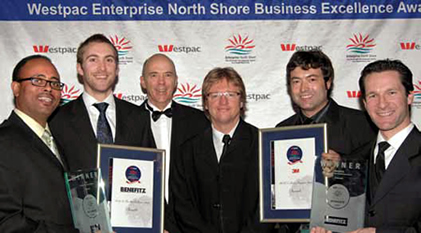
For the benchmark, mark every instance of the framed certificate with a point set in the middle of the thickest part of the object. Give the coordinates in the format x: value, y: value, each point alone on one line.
x: 134, y: 184
x: 286, y: 170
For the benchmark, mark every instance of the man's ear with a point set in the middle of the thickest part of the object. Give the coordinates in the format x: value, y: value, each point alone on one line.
x: 16, y: 88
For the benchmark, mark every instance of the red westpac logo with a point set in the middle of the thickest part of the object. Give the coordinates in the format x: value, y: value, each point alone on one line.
x: 165, y: 48
x: 41, y: 48
x: 353, y: 94
x: 288, y: 47
x: 408, y: 45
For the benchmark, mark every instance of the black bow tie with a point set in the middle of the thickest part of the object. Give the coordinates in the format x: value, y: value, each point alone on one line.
x: 157, y: 114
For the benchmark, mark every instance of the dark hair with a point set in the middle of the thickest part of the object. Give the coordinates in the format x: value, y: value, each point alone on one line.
x: 21, y: 63
x: 405, y: 73
x: 311, y: 60
x: 218, y: 74
x: 96, y: 38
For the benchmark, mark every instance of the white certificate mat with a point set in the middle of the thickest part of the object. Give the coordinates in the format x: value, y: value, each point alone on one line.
x: 132, y: 193
x: 294, y: 162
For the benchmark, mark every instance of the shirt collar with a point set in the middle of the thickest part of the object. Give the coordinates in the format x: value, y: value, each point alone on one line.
x: 396, y: 140
x: 316, y: 117
x: 90, y: 100
x: 157, y: 109
x: 219, y: 135
x: 31, y: 123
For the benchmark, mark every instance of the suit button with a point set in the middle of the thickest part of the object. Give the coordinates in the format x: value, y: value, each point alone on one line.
x: 216, y: 205
x: 371, y: 213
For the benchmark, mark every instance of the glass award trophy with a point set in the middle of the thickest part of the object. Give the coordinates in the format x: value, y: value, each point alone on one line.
x: 339, y: 195
x: 85, y: 190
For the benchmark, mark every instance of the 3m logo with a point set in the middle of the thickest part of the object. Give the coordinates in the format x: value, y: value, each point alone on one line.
x: 41, y: 48
x: 408, y: 45
x: 354, y: 94
x: 165, y: 48
x: 288, y: 47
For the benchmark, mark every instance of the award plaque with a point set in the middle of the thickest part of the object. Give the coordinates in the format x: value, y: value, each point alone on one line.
x: 339, y: 195
x: 88, y: 202
x: 134, y: 184
x: 286, y: 164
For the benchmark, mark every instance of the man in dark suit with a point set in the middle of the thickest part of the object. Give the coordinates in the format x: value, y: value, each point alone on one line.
x: 32, y: 187
x: 310, y: 76
x: 215, y: 181
x: 78, y: 125
x: 169, y: 123
x: 393, y: 200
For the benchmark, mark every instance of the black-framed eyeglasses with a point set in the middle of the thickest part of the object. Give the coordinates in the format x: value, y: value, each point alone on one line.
x: 41, y: 81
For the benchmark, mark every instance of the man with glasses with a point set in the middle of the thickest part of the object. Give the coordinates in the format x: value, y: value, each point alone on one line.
x: 97, y: 116
x: 32, y: 192
x: 170, y: 124
x: 215, y: 182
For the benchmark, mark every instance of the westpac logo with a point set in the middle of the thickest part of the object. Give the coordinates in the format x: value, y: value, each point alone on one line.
x: 294, y: 47
x: 240, y: 45
x: 133, y: 98
x: 121, y: 44
x: 360, y: 44
x: 69, y: 94
x: 50, y: 49
x: 188, y: 94
x: 168, y: 48
x: 353, y: 94
x: 410, y: 46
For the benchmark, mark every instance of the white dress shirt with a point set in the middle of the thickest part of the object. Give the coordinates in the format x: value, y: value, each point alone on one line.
x: 93, y: 112
x: 395, y: 142
x: 161, y: 130
x: 217, y: 140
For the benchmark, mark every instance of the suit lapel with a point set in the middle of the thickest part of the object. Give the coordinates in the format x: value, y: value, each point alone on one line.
x: 399, y: 167
x: 121, y: 128
x: 207, y: 153
x: 82, y: 124
x: 240, y: 135
x: 36, y: 142
x: 147, y: 117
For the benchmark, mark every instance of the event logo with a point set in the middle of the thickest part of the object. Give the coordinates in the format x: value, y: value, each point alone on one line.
x: 188, y: 94
x: 68, y: 94
x: 133, y: 175
x: 294, y: 47
x: 410, y: 46
x: 240, y: 46
x: 353, y: 94
x: 361, y: 49
x: 168, y: 48
x: 360, y: 44
x: 122, y: 45
x: 123, y: 48
x: 294, y: 155
x: 51, y: 49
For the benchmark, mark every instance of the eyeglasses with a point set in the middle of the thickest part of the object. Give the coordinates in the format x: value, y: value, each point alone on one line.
x: 227, y: 94
x: 41, y: 81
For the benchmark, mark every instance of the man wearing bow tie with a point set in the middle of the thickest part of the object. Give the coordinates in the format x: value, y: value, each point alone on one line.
x: 97, y: 116
x: 170, y: 123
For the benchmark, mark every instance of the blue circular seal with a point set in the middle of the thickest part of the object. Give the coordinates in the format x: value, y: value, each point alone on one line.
x: 133, y: 174
x: 294, y: 154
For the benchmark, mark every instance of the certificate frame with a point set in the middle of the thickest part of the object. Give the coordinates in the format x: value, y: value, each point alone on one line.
x: 267, y: 137
x: 106, y: 152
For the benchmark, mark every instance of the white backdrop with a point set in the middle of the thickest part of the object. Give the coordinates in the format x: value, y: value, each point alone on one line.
x: 256, y: 44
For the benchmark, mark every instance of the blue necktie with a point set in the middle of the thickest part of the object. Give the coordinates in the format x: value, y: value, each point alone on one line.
x: 103, y: 129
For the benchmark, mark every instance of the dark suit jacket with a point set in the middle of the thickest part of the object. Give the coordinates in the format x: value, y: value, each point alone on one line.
x: 218, y: 197
x: 186, y: 123
x: 32, y: 191
x: 347, y: 129
x: 396, y: 205
x: 72, y: 129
